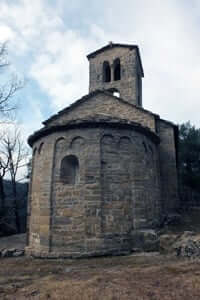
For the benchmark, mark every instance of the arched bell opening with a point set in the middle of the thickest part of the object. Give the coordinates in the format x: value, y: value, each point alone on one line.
x: 106, y: 72
x: 117, y: 69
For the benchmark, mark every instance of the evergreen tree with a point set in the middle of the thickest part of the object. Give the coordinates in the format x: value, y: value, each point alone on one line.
x: 189, y: 155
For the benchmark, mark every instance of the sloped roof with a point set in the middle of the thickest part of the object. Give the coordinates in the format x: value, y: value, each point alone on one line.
x: 88, y: 96
x: 97, y: 120
x: 114, y: 45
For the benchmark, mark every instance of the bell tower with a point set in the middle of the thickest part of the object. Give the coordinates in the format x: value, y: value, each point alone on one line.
x: 118, y: 69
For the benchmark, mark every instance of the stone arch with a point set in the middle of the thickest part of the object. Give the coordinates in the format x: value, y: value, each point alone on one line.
x: 77, y: 143
x: 125, y: 162
x: 40, y: 148
x: 145, y: 147
x: 106, y: 72
x: 59, y: 150
x: 108, y: 143
x: 150, y: 149
x: 59, y: 145
x: 69, y: 170
x: 32, y: 163
x: 117, y: 69
x: 34, y: 151
x: 125, y: 144
x: 32, y: 166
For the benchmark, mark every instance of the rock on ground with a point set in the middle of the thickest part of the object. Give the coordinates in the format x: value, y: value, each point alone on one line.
x: 12, y: 246
x: 186, y: 244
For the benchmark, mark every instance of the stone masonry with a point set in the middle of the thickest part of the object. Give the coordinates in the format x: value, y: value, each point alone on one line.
x: 131, y: 71
x: 103, y: 168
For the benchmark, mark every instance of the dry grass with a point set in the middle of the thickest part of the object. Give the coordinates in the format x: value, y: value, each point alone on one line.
x: 112, y: 278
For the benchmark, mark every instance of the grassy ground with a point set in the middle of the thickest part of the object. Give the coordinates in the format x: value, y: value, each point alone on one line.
x: 130, y: 277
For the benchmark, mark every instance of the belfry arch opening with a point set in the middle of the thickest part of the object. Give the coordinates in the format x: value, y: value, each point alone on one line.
x: 69, y: 170
x: 117, y: 69
x: 106, y: 72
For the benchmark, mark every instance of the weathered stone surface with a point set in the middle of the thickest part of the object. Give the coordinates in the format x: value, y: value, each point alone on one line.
x: 168, y: 166
x: 96, y: 185
x: 130, y: 84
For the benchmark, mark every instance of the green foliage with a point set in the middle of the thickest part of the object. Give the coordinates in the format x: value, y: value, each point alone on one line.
x: 189, y: 155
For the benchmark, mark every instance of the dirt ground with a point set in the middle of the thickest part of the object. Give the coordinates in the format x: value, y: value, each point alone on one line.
x: 141, y: 277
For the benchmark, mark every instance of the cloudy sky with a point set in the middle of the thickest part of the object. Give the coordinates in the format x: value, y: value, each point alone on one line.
x: 49, y: 41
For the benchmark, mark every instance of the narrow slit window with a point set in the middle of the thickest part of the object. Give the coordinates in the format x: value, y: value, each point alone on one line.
x: 117, y: 69
x: 106, y: 72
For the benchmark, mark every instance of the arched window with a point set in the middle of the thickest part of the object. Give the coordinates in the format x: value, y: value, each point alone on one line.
x: 117, y: 69
x: 106, y: 72
x: 69, y: 170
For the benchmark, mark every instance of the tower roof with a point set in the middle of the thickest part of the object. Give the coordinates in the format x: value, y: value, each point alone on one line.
x: 113, y: 45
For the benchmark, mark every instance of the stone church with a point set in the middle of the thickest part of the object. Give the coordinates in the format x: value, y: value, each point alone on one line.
x: 104, y: 167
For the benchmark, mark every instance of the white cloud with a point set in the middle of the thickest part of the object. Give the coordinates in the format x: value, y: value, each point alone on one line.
x: 6, y: 33
x: 169, y: 40
x: 58, y: 53
x: 62, y: 68
x: 34, y: 124
x: 166, y: 31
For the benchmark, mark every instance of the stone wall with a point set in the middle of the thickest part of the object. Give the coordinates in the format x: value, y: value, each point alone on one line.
x: 75, y: 207
x: 168, y: 167
x: 130, y: 70
x: 38, y: 217
x: 129, y: 172
x: 107, y: 105
x: 117, y: 192
x: 99, y: 174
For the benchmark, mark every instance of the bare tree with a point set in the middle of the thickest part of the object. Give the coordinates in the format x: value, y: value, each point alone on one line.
x: 14, y: 155
x: 11, y: 145
x: 11, y: 86
x: 3, y: 169
x: 3, y: 56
